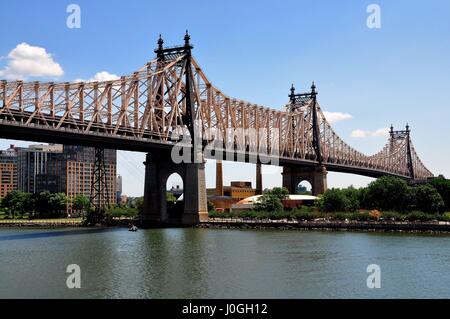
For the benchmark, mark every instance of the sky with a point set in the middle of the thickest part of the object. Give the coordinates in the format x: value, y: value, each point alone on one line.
x: 367, y: 78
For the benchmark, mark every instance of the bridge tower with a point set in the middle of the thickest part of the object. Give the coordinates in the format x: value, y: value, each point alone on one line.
x: 316, y: 175
x: 403, y: 135
x: 159, y: 164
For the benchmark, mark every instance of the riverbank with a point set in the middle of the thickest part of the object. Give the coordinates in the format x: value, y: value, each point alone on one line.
x: 57, y: 222
x: 44, y: 223
x: 285, y: 224
x: 276, y: 224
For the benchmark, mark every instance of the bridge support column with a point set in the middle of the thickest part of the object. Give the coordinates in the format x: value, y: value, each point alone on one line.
x: 155, y: 202
x: 158, y: 167
x: 316, y: 176
x: 195, y: 200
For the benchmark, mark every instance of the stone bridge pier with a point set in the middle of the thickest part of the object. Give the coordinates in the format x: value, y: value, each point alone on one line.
x: 316, y: 176
x: 158, y: 167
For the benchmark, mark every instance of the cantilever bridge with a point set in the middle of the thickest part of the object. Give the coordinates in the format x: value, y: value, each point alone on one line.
x: 145, y: 110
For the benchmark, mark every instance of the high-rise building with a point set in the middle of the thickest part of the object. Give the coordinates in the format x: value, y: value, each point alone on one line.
x: 78, y: 170
x: 119, y: 189
x: 38, y: 168
x: 67, y: 169
x: 8, y: 170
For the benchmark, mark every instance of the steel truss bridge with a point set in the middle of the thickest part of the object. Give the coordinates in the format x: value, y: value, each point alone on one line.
x: 145, y: 110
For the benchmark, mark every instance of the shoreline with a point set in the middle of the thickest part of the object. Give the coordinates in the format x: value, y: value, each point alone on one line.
x: 232, y: 223
x: 31, y: 224
x: 378, y: 226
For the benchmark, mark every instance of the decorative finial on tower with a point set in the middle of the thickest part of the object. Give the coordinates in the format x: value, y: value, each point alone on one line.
x: 313, y: 88
x: 187, y: 37
x: 292, y: 95
x: 160, y: 42
x: 392, y: 129
x: 407, y: 127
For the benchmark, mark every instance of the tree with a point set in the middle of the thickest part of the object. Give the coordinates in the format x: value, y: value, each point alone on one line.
x: 17, y: 202
x: 139, y: 204
x: 272, y: 200
x: 388, y: 193
x: 46, y: 204
x: 269, y: 203
x: 333, y: 200
x: 81, y: 203
x: 442, y: 185
x: 279, y: 192
x: 57, y: 203
x: 352, y: 198
x: 428, y: 199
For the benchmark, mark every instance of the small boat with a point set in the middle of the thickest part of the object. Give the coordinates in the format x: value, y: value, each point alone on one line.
x: 132, y: 228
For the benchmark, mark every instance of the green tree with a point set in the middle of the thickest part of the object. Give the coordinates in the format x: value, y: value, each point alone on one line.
x: 333, y: 200
x: 139, y: 204
x: 388, y: 193
x: 41, y: 204
x: 280, y: 192
x: 81, y: 203
x: 352, y: 199
x: 442, y: 185
x: 17, y: 202
x: 272, y: 200
x: 57, y: 203
x: 428, y: 199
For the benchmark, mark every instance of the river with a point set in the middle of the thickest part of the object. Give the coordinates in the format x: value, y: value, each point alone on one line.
x: 213, y: 263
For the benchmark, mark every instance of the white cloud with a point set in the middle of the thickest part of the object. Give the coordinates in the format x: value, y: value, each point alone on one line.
x: 359, y: 133
x: 26, y: 61
x: 381, y: 132
x: 100, y: 76
x: 334, y: 117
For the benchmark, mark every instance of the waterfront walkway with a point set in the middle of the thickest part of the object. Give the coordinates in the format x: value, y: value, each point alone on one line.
x: 41, y: 222
x: 438, y: 226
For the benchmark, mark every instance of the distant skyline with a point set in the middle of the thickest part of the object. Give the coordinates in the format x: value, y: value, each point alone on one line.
x: 367, y: 79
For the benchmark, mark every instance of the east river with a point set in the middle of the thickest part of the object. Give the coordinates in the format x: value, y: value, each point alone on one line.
x: 213, y: 263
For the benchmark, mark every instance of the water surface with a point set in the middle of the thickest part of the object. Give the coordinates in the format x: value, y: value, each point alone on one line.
x: 210, y: 263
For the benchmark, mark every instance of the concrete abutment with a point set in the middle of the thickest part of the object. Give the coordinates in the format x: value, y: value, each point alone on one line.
x: 158, y: 167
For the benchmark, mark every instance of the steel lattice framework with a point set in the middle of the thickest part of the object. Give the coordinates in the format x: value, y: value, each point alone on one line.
x: 171, y: 92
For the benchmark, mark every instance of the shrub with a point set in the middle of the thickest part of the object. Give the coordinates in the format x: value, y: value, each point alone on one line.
x: 122, y: 211
x: 417, y: 216
x: 375, y: 214
x: 445, y: 217
x: 211, y: 206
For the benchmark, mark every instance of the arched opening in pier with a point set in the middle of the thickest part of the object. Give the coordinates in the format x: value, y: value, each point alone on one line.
x: 304, y: 188
x: 175, y: 196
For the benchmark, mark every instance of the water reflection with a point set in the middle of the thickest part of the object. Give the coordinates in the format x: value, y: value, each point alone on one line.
x: 207, y: 263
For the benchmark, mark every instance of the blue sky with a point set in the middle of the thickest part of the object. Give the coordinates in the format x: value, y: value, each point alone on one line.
x: 254, y: 50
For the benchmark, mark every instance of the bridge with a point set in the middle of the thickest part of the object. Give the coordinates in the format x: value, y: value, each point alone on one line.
x: 169, y: 108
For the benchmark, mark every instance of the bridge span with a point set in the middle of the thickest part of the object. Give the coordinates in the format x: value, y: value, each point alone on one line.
x: 161, y: 106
